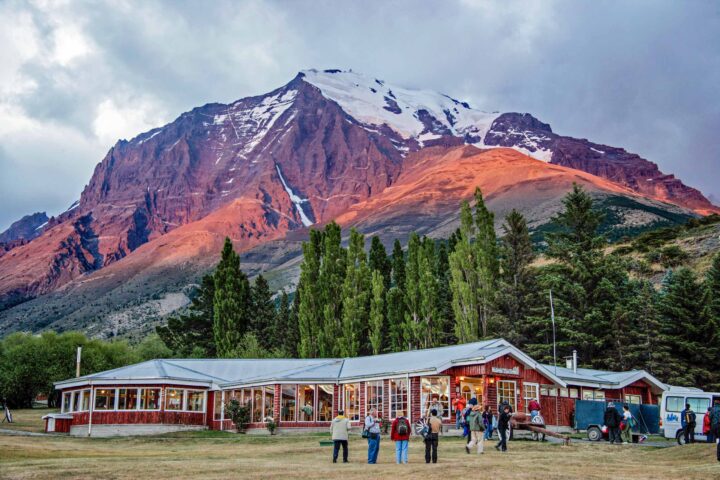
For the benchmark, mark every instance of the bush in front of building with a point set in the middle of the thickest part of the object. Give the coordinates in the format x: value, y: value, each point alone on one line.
x: 239, y: 414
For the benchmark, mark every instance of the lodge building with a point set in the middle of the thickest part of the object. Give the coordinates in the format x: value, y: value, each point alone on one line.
x: 169, y: 395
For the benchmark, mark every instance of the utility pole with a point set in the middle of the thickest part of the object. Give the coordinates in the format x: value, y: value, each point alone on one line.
x: 77, y: 362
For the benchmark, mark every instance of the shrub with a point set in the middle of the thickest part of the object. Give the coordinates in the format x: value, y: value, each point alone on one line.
x: 672, y: 256
x: 270, y: 425
x: 239, y: 414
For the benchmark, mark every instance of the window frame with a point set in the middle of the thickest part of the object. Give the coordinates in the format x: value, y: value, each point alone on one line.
x: 398, y: 400
x: 160, y: 399
x: 294, y: 399
x: 700, y: 410
x: 513, y: 404
x: 447, y: 409
x: 356, y: 391
x: 377, y: 385
x: 137, y: 398
x: 526, y: 398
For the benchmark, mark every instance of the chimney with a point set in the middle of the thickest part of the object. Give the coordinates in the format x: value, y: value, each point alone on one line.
x: 574, y: 361
x: 77, y: 362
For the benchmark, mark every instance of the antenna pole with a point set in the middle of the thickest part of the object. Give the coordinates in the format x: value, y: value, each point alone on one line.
x: 552, y: 318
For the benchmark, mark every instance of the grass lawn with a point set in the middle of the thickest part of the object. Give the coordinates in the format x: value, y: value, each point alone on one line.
x: 228, y: 455
x: 28, y: 420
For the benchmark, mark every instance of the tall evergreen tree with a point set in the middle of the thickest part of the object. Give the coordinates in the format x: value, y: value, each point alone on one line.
x: 356, y: 298
x: 396, y: 310
x: 310, y: 309
x: 263, y: 314
x: 377, y: 307
x: 487, y: 261
x: 464, y: 281
x: 330, y: 285
x: 231, y: 302
x: 378, y: 260
x: 398, y: 266
x: 412, y: 329
x: 445, y: 316
x: 283, y: 327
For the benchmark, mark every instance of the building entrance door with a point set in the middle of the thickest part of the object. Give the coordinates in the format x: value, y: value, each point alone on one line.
x: 472, y: 388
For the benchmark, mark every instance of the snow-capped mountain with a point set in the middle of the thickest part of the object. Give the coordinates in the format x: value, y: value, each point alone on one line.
x: 261, y: 167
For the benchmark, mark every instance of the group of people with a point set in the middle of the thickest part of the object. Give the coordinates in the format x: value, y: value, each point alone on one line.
x: 711, y: 425
x: 477, y: 423
x: 619, y: 425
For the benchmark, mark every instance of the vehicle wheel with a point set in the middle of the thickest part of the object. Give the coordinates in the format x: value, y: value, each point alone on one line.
x: 680, y: 437
x: 594, y: 434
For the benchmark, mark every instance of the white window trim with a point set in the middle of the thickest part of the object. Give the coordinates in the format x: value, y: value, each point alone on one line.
x: 526, y: 400
x: 447, y: 411
x: 497, y: 387
x: 390, y: 397
x: 367, y: 399
x: 139, y: 400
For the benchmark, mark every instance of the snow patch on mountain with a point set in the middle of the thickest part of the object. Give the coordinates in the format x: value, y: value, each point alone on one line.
x: 295, y: 199
x: 252, y: 124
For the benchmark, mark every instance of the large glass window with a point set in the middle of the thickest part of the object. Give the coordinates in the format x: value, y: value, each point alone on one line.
x: 699, y: 405
x: 674, y: 404
x: 506, y: 393
x: 218, y: 404
x: 149, y: 399
x: 306, y: 407
x: 374, y: 396
x: 269, y: 401
x: 325, y: 403
x: 435, y: 391
x: 287, y: 403
x: 352, y: 401
x: 195, y: 401
x: 173, y: 399
x: 257, y: 405
x: 84, y: 400
x: 105, y: 399
x: 67, y: 402
x: 127, y: 398
x: 531, y: 391
x: 398, y: 397
x: 636, y: 399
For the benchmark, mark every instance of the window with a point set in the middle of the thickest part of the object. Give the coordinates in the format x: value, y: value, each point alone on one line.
x: 325, y: 403
x: 699, y: 405
x: 257, y: 405
x: 398, y: 397
x: 548, y: 390
x: 564, y: 392
x: 574, y: 393
x: 66, y: 402
x: 374, y: 397
x: 435, y: 390
x: 269, y: 401
x: 218, y: 404
x: 506, y: 393
x: 674, y: 404
x: 195, y: 401
x: 77, y: 401
x: 352, y: 401
x: 636, y: 399
x: 597, y: 395
x: 105, y: 399
x: 306, y: 407
x: 287, y: 403
x: 149, y: 399
x: 531, y: 391
x: 173, y: 399
x: 127, y: 398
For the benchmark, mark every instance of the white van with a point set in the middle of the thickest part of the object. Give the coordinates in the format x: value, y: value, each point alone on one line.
x: 673, y: 403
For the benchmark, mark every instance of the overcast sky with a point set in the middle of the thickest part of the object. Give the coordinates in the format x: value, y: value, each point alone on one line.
x: 77, y: 76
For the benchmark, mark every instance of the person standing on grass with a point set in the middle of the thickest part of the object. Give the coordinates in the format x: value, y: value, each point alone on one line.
x: 503, y: 425
x: 459, y: 407
x: 372, y: 426
x: 339, y: 428
x: 468, y: 408
x: 707, y: 429
x: 400, y: 434
x: 687, y: 421
x: 628, y: 421
x: 477, y: 429
x: 435, y: 405
x: 431, y: 441
x: 487, y: 417
x: 715, y: 425
x: 612, y: 422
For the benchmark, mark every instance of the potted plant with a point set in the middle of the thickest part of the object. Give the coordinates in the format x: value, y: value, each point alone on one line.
x: 270, y: 425
x: 239, y: 414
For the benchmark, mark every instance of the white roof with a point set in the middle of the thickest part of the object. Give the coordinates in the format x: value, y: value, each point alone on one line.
x: 605, y: 379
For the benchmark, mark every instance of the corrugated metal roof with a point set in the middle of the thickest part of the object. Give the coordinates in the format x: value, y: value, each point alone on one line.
x: 590, y: 375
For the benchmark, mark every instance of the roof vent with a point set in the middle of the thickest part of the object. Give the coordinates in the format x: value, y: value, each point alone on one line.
x: 571, y: 362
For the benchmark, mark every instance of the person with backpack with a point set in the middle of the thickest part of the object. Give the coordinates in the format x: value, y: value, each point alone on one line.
x: 433, y: 435
x: 629, y: 422
x: 503, y: 425
x: 488, y: 417
x: 534, y: 407
x: 715, y: 425
x: 400, y: 434
x: 339, y: 429
x: 688, y: 423
x: 372, y: 433
x: 612, y: 421
x: 477, y: 428
x: 466, y: 412
x: 459, y: 408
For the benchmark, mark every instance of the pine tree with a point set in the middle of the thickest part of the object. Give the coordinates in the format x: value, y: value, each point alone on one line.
x: 378, y: 260
x: 398, y: 266
x: 356, y: 298
x: 330, y: 283
x: 310, y: 308
x: 377, y: 307
x: 263, y: 314
x: 711, y: 314
x: 231, y: 302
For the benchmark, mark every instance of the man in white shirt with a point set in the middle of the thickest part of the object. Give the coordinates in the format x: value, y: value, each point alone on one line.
x: 372, y: 426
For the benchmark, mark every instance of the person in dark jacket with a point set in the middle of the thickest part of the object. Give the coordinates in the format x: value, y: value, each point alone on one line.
x: 715, y: 425
x: 400, y: 434
x: 503, y: 425
x: 612, y: 422
x: 688, y: 423
x: 487, y: 417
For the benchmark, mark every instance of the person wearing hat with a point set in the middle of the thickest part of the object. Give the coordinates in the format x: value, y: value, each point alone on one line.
x: 339, y: 428
x: 477, y: 427
x: 612, y: 422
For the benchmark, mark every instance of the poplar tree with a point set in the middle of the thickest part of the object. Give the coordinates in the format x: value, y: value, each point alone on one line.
x: 487, y: 261
x: 262, y: 315
x: 398, y: 266
x: 356, y: 297
x: 231, y: 302
x: 310, y: 311
x: 412, y: 328
x: 330, y: 282
x: 396, y: 310
x: 427, y: 334
x: 284, y: 329
x: 378, y: 260
x: 377, y: 307
x: 464, y: 282
x: 444, y: 309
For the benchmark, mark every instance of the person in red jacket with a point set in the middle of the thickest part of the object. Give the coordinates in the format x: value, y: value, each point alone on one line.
x: 400, y: 434
x: 459, y: 407
x: 534, y: 407
x: 706, y: 426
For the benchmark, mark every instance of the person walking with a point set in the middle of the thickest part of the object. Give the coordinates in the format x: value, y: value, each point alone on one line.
x: 372, y: 427
x: 628, y: 424
x: 715, y: 425
x: 459, y: 407
x: 487, y: 418
x: 612, y: 422
x: 400, y: 434
x: 687, y: 421
x: 503, y: 425
x: 477, y: 429
x: 431, y: 441
x: 466, y: 412
x: 339, y: 429
x: 534, y: 407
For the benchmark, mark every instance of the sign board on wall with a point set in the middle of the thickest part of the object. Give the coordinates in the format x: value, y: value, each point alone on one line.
x: 506, y: 371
